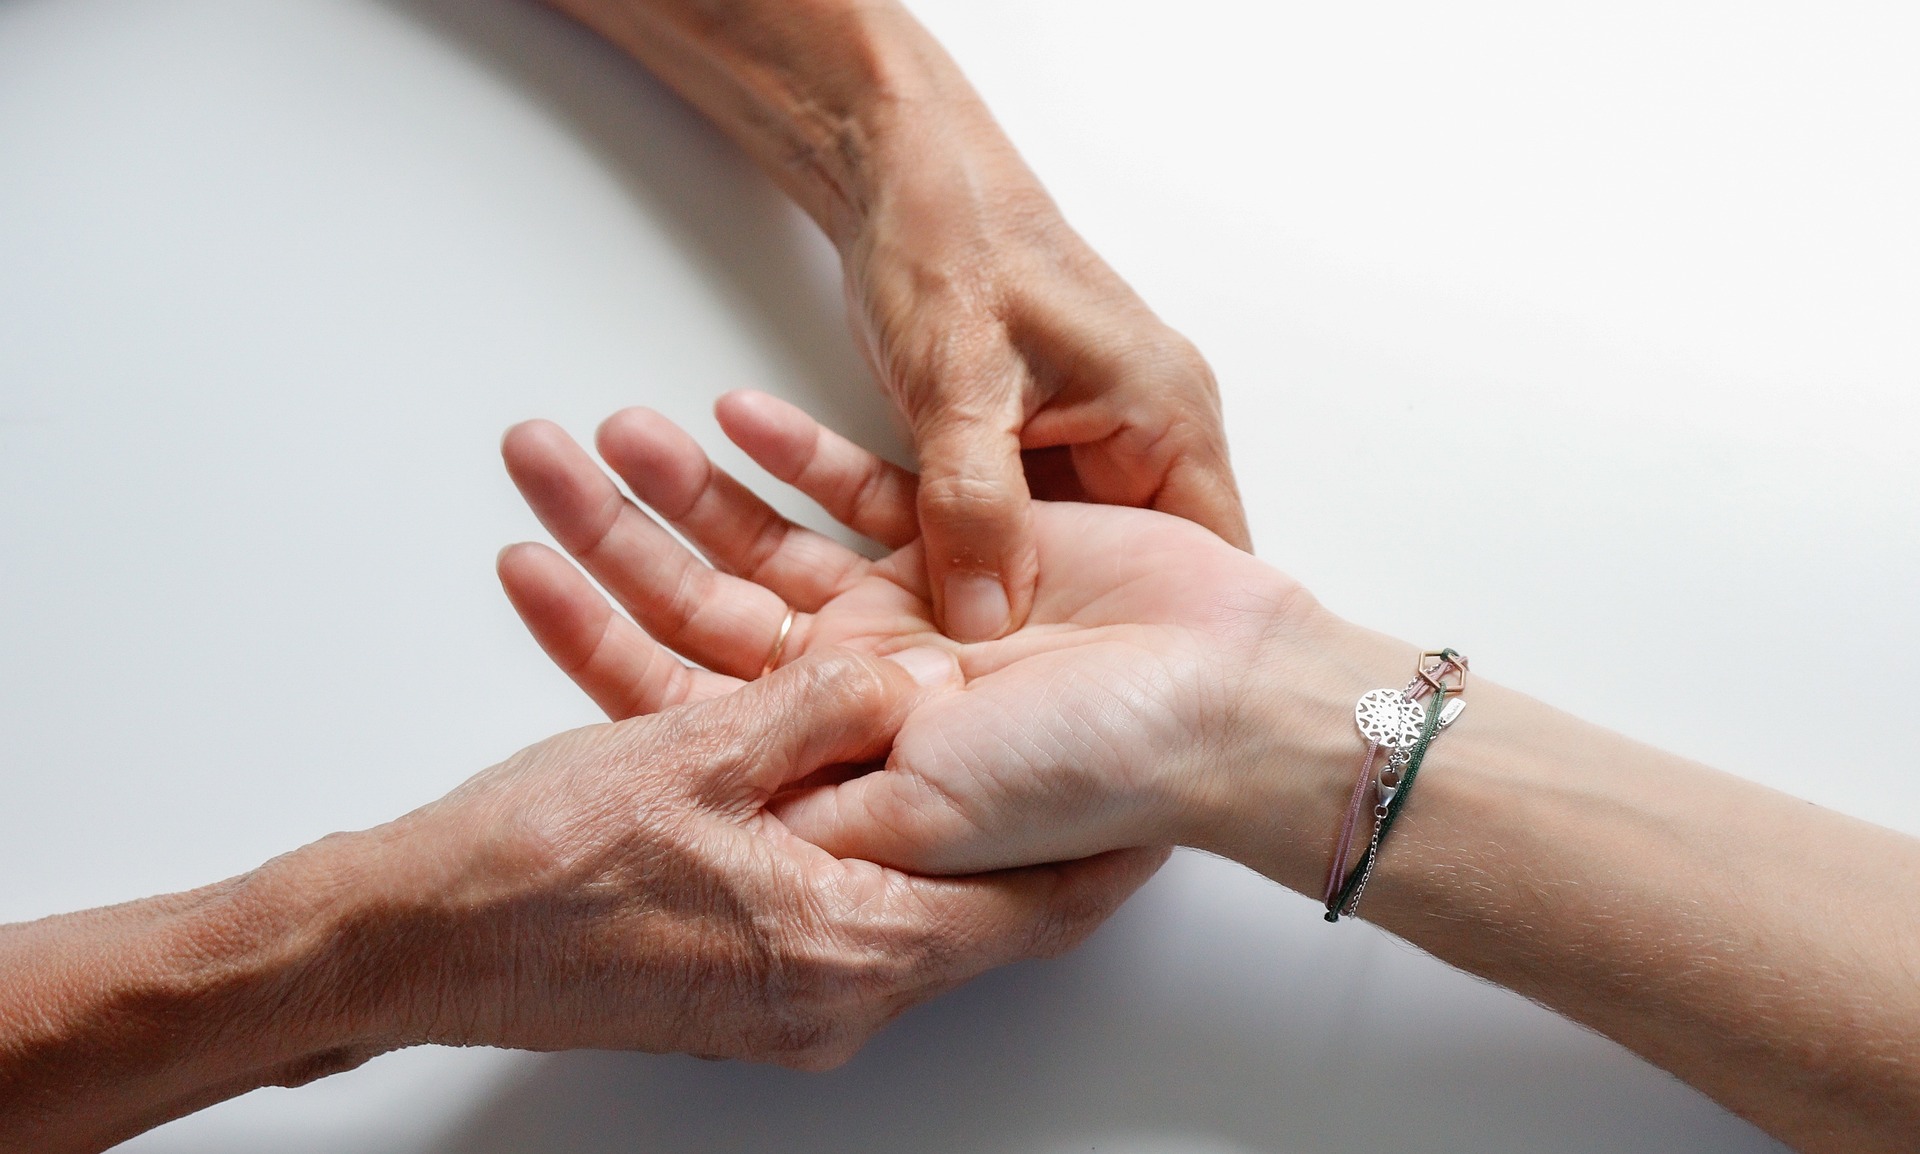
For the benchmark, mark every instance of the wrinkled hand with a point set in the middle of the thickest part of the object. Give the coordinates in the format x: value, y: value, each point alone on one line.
x: 1084, y: 731
x: 1022, y: 364
x: 623, y: 886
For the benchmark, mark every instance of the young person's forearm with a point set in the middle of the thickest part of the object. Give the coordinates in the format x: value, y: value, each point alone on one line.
x: 113, y: 1021
x: 816, y: 91
x: 1758, y: 946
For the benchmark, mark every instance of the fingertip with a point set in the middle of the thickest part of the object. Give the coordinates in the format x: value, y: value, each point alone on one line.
x: 528, y: 442
x: 543, y: 587
x: 542, y: 458
x: 1135, y: 867
x: 753, y: 406
x: 636, y: 434
x: 1206, y: 494
x: 660, y: 461
x: 777, y: 435
x: 519, y: 431
x: 515, y: 558
x: 632, y: 419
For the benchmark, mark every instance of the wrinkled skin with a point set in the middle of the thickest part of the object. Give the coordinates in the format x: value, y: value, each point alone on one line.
x: 1022, y: 364
x: 623, y: 886
x: 1081, y: 732
x: 1025, y: 366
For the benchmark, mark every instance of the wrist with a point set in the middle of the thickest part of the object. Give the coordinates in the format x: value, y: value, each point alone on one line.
x: 1275, y: 800
x: 296, y: 956
x: 900, y: 126
x: 931, y: 177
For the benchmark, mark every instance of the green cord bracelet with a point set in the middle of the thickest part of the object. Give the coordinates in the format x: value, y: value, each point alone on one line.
x: 1356, y: 882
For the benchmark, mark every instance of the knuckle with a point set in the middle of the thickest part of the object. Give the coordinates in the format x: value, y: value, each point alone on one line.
x: 963, y: 499
x: 708, y: 749
x: 764, y: 541
x: 842, y: 680
x: 865, y: 492
x: 1171, y: 362
x: 814, y: 677
x: 859, y: 976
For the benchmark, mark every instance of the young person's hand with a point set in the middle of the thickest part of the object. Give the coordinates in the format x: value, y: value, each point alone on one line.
x: 1086, y: 730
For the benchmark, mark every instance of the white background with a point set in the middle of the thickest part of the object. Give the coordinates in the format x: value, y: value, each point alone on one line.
x: 1634, y: 285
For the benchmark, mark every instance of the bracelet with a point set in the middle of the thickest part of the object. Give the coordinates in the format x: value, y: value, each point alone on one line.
x: 1394, y: 721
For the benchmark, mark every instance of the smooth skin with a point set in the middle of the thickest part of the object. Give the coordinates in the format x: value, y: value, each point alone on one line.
x: 1020, y: 361
x: 1170, y: 689
x: 623, y: 886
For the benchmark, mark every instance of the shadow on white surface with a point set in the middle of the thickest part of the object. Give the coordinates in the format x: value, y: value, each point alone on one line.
x: 779, y: 275
x: 1216, y: 1013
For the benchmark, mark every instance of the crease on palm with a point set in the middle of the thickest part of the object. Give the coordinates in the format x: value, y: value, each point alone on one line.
x: 1119, y: 588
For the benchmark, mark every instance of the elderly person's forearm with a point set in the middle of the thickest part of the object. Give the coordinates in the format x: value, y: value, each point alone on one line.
x: 816, y: 91
x: 113, y: 1021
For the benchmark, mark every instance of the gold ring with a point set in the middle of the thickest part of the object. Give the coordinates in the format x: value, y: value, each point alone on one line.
x: 779, y: 643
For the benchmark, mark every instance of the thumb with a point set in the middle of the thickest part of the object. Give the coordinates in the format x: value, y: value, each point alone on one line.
x: 835, y: 708
x: 976, y: 521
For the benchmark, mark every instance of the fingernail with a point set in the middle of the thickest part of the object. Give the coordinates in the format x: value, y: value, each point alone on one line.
x: 976, y: 607
x: 929, y: 667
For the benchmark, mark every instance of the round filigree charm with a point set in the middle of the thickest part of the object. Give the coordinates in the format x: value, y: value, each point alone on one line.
x: 1387, y: 718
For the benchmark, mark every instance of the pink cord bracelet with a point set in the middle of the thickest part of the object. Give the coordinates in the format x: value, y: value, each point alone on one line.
x: 1391, y: 721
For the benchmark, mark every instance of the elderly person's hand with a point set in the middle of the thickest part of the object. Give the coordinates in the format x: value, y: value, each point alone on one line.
x: 625, y: 887
x: 1020, y: 361
x: 1006, y: 341
x: 621, y: 886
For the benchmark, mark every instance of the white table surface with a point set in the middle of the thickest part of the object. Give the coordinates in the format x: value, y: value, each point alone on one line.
x: 1638, y: 282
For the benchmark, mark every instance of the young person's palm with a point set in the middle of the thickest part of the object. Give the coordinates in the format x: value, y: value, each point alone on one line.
x: 1072, y: 736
